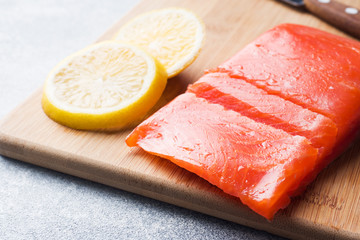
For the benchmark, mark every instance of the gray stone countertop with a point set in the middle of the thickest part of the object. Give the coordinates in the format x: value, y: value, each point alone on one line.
x: 37, y: 203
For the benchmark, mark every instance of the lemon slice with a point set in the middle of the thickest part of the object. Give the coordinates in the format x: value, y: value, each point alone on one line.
x: 106, y: 86
x: 174, y: 36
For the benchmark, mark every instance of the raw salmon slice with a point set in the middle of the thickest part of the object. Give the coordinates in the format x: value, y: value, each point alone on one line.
x: 255, y: 103
x: 314, y: 69
x: 255, y: 162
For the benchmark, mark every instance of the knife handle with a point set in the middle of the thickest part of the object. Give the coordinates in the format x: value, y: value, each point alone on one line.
x: 341, y: 16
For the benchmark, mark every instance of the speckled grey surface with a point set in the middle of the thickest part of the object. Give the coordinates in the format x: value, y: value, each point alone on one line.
x: 36, y: 203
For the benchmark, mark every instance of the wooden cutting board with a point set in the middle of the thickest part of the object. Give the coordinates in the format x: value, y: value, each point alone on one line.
x: 330, y: 208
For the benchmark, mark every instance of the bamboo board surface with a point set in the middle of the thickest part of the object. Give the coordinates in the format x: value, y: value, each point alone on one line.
x: 330, y: 208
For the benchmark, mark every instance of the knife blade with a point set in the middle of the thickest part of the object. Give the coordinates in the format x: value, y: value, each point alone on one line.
x: 295, y: 3
x: 345, y: 18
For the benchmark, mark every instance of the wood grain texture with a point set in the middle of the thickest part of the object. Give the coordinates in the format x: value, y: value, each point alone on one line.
x: 330, y: 208
x: 345, y: 17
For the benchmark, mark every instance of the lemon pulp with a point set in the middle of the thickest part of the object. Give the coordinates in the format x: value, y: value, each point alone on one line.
x: 174, y: 36
x: 106, y: 86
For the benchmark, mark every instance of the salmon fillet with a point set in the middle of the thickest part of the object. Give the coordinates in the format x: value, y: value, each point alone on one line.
x: 238, y: 95
x: 245, y: 98
x: 220, y: 146
x: 264, y: 123
x: 314, y: 69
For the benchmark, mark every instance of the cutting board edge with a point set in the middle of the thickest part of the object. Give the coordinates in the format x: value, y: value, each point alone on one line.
x: 25, y: 151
